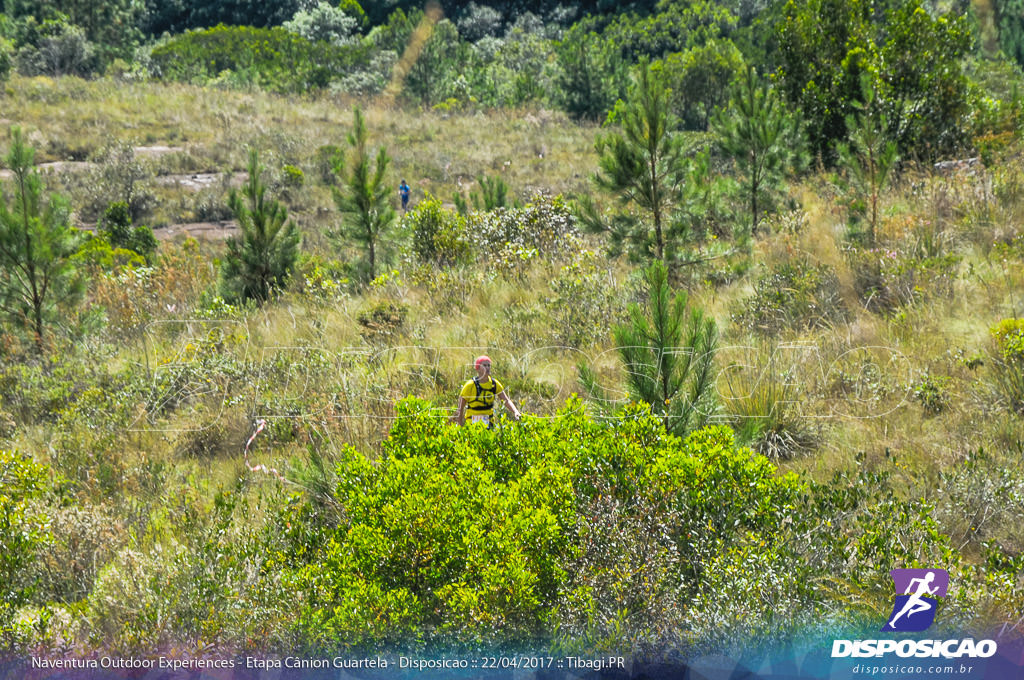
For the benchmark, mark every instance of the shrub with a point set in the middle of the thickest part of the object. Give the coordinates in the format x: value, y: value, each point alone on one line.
x: 582, y: 303
x: 62, y: 50
x: 794, y: 295
x: 119, y: 176
x: 116, y: 223
x: 274, y: 58
x: 23, y: 530
x: 323, y: 282
x: 324, y: 23
x: 83, y: 540
x: 293, y: 177
x: 326, y: 158
x: 438, y: 235
x: 6, y: 59
x: 477, y: 537
x: 933, y: 393
x: 982, y: 499
x: 511, y: 239
x: 1008, y: 362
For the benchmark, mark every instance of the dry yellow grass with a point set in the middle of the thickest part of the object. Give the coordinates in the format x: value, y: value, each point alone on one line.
x: 443, y: 153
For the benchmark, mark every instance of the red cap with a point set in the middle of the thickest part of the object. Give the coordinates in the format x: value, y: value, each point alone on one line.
x: 480, y: 359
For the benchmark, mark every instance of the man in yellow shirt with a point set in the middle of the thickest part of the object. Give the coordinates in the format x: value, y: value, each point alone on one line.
x: 477, y: 397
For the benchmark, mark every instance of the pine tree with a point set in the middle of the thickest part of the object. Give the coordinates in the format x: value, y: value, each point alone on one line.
x: 669, y: 354
x: 37, y: 243
x: 643, y: 161
x: 363, y: 197
x: 263, y: 257
x: 763, y: 138
x: 868, y: 159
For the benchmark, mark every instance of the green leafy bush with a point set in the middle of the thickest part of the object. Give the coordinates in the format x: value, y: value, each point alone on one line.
x: 478, y: 536
x: 293, y: 177
x: 583, y: 302
x: 1008, y: 364
x: 933, y: 393
x: 273, y: 58
x: 116, y: 223
x: 512, y: 239
x: 439, y: 236
x: 6, y: 59
x: 23, y: 530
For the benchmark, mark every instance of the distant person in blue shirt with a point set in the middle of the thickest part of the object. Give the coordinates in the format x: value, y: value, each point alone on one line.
x: 403, y: 191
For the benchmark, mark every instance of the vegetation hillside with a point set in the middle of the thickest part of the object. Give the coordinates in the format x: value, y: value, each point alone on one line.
x: 758, y: 291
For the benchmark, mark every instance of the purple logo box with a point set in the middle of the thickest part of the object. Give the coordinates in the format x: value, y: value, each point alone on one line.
x: 903, y: 577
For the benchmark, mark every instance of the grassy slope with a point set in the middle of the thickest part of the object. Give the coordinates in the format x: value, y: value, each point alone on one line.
x: 152, y: 476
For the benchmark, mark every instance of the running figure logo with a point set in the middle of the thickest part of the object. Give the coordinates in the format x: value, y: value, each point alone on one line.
x: 914, y: 609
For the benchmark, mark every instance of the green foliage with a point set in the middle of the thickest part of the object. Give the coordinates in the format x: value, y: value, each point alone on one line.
x: 868, y: 159
x: 326, y: 159
x: 469, y: 536
x: 982, y: 500
x: 701, y: 79
x: 795, y: 295
x: 591, y: 76
x: 111, y: 29
x: 643, y: 164
x: 363, y: 197
x: 116, y: 224
x: 56, y: 48
x: 262, y: 259
x: 514, y: 71
x: 6, y: 58
x: 765, y: 141
x: 583, y: 302
x: 932, y: 391
x: 868, y: 529
x: 353, y: 9
x: 37, y: 242
x: 668, y: 353
x: 673, y: 26
x: 177, y: 16
x: 272, y: 58
x: 119, y: 176
x: 394, y: 34
x: 1010, y: 23
x: 431, y: 77
x: 23, y: 531
x: 511, y: 239
x: 493, y: 193
x: 1008, y: 362
x: 293, y: 177
x: 438, y: 235
x: 324, y: 23
x: 912, y: 59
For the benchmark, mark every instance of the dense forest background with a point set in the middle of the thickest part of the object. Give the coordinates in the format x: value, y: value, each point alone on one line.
x: 754, y: 271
